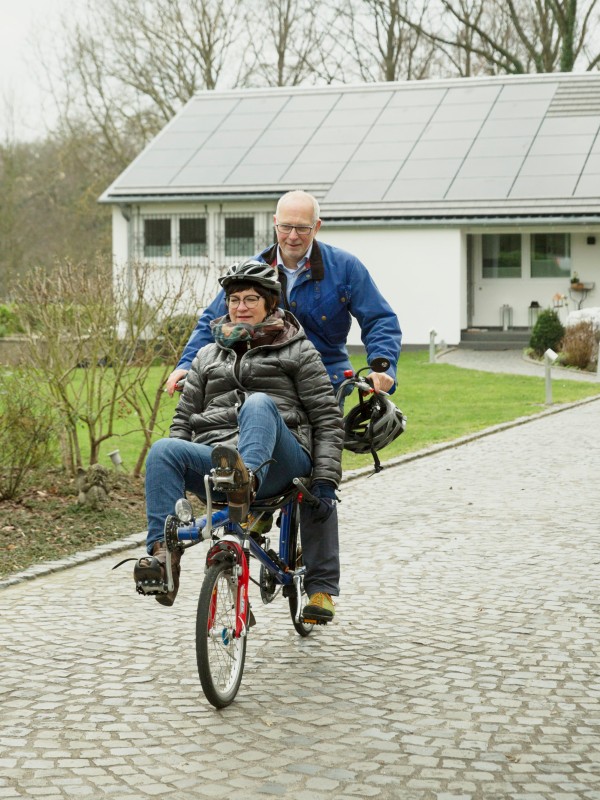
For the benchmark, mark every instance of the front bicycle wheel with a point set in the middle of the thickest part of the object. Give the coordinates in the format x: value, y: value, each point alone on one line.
x: 219, y: 653
x: 303, y: 628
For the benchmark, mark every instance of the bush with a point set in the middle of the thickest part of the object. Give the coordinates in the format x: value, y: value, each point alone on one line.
x: 578, y: 345
x: 9, y: 321
x: 173, y: 336
x: 547, y: 332
x: 27, y: 431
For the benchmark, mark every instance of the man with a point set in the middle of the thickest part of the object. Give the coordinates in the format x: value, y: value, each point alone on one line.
x: 323, y: 287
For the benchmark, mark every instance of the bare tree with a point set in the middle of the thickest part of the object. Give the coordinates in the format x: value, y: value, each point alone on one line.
x: 513, y: 36
x: 129, y: 67
x: 383, y: 40
x: 95, y: 348
x: 291, y: 43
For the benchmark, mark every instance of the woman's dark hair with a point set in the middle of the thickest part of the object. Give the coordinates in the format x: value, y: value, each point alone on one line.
x: 271, y: 299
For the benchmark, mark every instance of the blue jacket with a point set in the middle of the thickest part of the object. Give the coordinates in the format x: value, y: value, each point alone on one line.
x: 336, y: 287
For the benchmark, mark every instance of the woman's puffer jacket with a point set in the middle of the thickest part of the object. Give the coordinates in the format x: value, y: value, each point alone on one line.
x: 290, y: 371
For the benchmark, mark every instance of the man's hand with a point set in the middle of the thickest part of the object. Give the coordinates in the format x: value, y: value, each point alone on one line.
x: 175, y: 376
x: 381, y: 381
x: 324, y: 491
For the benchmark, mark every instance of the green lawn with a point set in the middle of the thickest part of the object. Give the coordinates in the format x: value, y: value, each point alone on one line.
x: 440, y: 401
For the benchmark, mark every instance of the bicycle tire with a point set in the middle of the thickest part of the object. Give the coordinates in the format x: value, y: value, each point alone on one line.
x: 219, y: 655
x: 302, y: 628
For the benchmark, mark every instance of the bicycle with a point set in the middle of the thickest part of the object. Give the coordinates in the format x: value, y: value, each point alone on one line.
x: 224, y: 616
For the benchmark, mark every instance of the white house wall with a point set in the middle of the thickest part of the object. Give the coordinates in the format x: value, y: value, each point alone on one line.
x: 491, y: 294
x: 419, y: 271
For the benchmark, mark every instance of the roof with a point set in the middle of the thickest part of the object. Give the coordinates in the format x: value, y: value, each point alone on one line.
x: 524, y: 145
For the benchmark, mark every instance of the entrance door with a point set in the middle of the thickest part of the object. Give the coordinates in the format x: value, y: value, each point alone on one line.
x: 470, y: 280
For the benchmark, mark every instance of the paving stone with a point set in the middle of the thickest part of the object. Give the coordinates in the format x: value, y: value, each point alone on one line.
x: 474, y: 675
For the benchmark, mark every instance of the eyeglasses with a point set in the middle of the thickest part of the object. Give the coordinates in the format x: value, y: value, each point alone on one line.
x: 250, y: 301
x: 301, y: 230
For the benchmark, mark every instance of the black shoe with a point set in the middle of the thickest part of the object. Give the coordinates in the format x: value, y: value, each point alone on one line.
x: 150, y: 574
x: 234, y: 478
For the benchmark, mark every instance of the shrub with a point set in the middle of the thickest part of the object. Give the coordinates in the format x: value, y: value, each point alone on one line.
x: 547, y: 332
x: 173, y: 336
x: 578, y: 345
x: 27, y: 431
x: 9, y: 321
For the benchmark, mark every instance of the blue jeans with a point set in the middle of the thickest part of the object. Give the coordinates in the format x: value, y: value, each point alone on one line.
x: 175, y: 466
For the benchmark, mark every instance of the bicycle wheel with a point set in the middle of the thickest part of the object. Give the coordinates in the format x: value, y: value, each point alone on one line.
x: 219, y: 654
x: 303, y: 628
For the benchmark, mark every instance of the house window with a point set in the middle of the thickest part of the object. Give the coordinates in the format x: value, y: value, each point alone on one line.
x: 157, y: 237
x: 239, y: 236
x: 501, y: 255
x: 550, y: 255
x: 192, y: 236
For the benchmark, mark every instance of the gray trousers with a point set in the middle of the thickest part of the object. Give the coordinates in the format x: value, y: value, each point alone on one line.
x: 321, y: 552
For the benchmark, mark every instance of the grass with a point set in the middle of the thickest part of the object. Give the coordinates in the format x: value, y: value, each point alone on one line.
x: 442, y: 402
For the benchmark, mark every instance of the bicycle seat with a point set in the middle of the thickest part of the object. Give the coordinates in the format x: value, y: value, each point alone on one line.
x: 270, y: 504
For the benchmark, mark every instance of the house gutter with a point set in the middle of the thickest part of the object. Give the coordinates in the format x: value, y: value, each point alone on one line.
x: 457, y: 222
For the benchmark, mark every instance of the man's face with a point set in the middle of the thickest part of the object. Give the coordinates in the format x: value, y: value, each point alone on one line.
x: 296, y: 211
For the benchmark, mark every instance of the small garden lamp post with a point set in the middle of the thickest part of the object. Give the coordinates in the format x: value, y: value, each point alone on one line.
x: 549, y: 358
x: 432, y: 335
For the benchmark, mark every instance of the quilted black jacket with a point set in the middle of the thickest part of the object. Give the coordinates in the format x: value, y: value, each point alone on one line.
x: 290, y: 371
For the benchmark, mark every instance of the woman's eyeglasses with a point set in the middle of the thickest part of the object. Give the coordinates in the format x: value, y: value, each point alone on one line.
x: 250, y: 301
x: 301, y: 230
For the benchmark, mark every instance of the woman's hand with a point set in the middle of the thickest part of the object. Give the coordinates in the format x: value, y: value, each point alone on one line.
x: 175, y: 376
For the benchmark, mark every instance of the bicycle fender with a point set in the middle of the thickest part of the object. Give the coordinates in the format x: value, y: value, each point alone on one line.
x: 224, y: 551
x: 233, y: 553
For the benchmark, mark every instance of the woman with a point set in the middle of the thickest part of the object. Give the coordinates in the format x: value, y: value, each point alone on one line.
x: 257, y: 403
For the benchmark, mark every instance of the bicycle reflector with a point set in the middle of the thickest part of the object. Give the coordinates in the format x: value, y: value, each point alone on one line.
x: 372, y: 425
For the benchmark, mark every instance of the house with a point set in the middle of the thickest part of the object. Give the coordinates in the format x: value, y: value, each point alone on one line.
x: 473, y: 202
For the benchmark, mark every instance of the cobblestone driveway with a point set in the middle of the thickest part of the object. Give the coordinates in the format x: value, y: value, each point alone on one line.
x: 464, y: 661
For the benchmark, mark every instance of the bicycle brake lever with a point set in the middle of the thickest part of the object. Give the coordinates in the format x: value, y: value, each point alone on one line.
x: 307, y: 497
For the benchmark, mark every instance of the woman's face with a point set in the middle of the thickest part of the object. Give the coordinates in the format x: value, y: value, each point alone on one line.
x: 246, y: 306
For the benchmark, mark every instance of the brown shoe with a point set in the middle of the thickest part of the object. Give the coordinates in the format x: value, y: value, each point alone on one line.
x: 234, y: 478
x: 151, y: 571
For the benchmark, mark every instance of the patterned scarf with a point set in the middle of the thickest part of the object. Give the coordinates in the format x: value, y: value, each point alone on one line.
x: 227, y: 333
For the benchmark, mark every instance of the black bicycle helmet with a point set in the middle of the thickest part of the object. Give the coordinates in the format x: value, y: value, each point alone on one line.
x: 372, y: 425
x: 252, y: 271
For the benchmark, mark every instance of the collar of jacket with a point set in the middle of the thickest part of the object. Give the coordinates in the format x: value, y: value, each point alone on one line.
x: 317, y: 268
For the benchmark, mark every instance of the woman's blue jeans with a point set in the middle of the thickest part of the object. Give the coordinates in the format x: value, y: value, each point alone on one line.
x: 175, y: 466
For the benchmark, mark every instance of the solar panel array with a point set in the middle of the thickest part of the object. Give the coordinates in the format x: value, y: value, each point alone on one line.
x: 388, y: 146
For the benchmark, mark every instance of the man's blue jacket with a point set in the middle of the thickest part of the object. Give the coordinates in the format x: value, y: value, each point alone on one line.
x: 335, y: 287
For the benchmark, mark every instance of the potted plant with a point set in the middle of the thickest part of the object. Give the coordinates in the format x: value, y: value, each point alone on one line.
x: 575, y: 281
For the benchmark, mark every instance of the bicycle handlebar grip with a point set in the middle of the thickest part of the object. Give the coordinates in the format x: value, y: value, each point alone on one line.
x: 307, y: 497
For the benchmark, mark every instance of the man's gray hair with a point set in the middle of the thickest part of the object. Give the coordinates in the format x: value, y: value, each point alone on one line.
x: 301, y: 192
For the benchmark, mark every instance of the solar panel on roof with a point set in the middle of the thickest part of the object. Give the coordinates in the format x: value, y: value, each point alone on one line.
x: 561, y: 165
x: 544, y: 186
x: 447, y: 142
x: 479, y: 188
x: 405, y: 189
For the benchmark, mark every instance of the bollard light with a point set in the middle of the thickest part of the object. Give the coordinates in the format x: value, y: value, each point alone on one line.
x: 549, y: 358
x: 432, y: 335
x: 116, y: 459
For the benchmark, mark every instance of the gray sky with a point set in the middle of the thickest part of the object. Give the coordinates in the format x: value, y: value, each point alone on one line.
x: 22, y: 23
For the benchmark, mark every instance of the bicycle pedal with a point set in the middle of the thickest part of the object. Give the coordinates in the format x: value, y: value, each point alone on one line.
x: 315, y: 621
x: 151, y: 587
